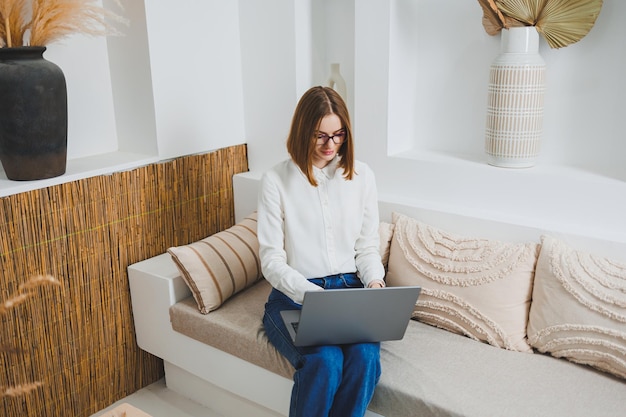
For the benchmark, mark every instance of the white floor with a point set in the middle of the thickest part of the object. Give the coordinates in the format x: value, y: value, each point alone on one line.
x: 158, y: 401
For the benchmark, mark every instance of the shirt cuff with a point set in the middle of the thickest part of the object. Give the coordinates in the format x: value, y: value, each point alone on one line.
x: 377, y: 281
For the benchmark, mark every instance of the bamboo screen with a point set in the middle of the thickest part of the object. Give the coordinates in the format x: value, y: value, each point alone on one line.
x: 78, y: 339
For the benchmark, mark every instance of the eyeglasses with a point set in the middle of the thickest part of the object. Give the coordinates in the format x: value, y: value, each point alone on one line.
x: 337, y: 138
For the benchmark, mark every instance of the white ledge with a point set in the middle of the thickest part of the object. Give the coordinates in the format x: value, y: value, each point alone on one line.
x: 78, y: 169
x: 563, y: 198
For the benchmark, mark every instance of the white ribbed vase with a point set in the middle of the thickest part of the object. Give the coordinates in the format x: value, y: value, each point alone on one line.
x: 515, y: 100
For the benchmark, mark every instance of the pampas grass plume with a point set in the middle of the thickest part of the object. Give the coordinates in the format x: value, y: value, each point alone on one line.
x: 12, y: 24
x: 56, y: 19
x: 13, y: 301
x: 25, y: 291
x: 17, y: 390
x: 51, y: 20
x: 38, y: 281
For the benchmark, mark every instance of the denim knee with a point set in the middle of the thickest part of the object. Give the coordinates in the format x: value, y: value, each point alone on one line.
x: 366, y: 357
x: 325, y: 359
x: 365, y: 352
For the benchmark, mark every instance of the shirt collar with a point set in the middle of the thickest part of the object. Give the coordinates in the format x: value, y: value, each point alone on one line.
x: 329, y: 170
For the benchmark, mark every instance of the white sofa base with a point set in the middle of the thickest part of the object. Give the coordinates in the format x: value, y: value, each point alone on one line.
x: 234, y: 387
x: 212, y: 396
x: 218, y: 380
x: 216, y: 398
x: 155, y: 285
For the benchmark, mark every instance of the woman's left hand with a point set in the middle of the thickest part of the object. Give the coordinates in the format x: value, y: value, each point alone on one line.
x: 376, y: 284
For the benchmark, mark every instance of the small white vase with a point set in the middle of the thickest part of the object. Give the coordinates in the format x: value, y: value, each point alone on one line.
x: 515, y: 100
x: 336, y: 81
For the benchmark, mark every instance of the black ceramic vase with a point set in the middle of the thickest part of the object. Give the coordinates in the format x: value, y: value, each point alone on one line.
x: 33, y: 115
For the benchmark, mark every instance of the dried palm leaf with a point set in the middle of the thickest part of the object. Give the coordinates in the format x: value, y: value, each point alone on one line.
x: 561, y: 22
x: 494, y: 20
x: 564, y: 22
x: 526, y: 11
x: 12, y: 25
x: 513, y: 23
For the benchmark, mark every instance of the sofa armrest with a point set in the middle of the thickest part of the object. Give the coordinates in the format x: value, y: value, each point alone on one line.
x: 155, y: 285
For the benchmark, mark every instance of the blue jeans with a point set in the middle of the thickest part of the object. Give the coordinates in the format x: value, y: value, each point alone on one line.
x: 333, y: 380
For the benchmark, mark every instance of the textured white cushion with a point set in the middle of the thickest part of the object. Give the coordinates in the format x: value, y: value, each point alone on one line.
x: 221, y: 265
x: 476, y: 287
x: 579, y: 307
x: 385, y: 231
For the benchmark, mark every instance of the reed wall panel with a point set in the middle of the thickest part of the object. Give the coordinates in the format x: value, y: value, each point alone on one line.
x: 78, y: 339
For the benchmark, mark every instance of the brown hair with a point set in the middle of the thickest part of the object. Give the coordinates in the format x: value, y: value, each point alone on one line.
x: 313, y: 106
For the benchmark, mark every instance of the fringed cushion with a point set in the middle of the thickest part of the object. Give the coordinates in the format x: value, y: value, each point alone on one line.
x: 221, y: 265
x: 475, y: 287
x: 579, y: 307
x: 385, y: 231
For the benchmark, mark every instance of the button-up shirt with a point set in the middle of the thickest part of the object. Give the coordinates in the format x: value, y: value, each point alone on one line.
x: 312, y: 232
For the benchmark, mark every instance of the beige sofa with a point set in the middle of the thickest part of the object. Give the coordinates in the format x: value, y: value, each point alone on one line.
x: 223, y: 359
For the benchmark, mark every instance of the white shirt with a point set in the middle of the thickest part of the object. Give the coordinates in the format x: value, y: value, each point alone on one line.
x: 312, y: 232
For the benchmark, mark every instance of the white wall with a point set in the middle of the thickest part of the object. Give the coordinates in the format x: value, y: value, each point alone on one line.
x: 441, y: 127
x: 171, y: 85
x: 131, y: 83
x: 418, y: 99
x: 196, y: 75
x: 287, y: 47
x: 444, y: 74
x: 91, y: 118
x: 269, y: 70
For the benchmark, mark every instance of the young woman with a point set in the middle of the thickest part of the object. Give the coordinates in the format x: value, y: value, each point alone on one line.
x: 318, y: 229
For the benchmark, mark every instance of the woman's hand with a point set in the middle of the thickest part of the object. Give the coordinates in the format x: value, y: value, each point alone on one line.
x: 376, y: 284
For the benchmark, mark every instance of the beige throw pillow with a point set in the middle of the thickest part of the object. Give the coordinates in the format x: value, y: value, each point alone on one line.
x: 221, y: 265
x: 385, y: 231
x: 579, y: 307
x: 476, y: 287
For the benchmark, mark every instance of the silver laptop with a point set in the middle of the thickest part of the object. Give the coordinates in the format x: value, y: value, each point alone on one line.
x: 351, y: 315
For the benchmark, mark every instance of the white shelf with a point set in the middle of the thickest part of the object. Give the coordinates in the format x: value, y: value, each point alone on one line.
x: 553, y: 197
x: 78, y: 169
x: 614, y: 176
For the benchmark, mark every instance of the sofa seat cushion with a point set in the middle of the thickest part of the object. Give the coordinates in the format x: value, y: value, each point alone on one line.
x: 235, y: 327
x: 431, y: 372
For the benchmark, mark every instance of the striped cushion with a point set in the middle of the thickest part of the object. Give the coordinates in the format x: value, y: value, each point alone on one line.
x: 221, y: 265
x: 579, y: 307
